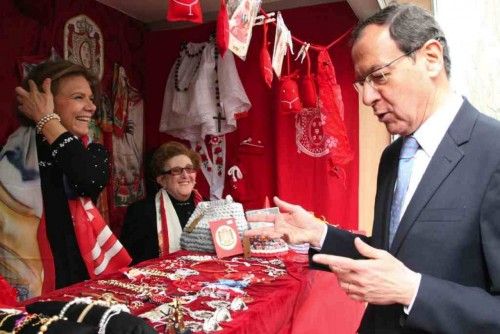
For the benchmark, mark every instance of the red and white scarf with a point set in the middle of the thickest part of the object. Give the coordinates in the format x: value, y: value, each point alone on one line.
x: 167, y: 223
x: 101, y: 251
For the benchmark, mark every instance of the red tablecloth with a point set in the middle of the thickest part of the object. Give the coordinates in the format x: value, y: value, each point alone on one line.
x: 300, y: 301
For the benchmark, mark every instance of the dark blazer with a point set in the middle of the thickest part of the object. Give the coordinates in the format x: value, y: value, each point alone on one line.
x: 139, y: 234
x: 450, y: 233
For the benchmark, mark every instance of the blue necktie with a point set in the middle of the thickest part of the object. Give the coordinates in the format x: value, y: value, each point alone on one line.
x: 410, y: 147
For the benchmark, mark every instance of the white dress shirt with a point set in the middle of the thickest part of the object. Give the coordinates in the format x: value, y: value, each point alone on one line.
x: 429, y: 136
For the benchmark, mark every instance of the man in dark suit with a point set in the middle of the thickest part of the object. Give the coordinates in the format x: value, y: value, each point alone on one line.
x: 432, y: 264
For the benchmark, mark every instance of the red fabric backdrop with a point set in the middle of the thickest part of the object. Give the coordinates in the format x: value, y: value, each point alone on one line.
x: 29, y: 28
x: 277, y: 169
x: 32, y: 28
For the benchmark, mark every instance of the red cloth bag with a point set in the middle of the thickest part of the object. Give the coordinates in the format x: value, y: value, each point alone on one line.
x: 266, y: 67
x: 289, y: 99
x: 184, y: 10
x: 308, y: 92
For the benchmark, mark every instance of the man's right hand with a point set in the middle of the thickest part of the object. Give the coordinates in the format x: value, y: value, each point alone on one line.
x: 294, y: 224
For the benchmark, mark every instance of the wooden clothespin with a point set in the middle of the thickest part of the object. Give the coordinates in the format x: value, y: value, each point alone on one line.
x: 303, y: 52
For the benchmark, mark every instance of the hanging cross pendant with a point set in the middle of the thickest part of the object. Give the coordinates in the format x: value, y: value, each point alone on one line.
x: 220, y: 117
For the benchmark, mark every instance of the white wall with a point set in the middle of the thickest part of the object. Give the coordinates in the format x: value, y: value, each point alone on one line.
x: 474, y: 38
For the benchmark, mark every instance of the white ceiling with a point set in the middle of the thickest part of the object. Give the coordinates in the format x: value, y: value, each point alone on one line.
x: 152, y: 12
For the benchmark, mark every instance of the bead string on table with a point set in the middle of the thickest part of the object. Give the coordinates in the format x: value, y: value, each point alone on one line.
x: 144, y: 292
x: 47, y: 322
x: 26, y: 320
x: 108, y: 314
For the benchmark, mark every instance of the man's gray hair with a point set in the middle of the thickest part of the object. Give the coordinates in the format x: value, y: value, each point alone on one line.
x: 410, y: 26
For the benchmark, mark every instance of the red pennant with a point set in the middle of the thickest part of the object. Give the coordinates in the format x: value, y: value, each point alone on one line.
x: 222, y: 36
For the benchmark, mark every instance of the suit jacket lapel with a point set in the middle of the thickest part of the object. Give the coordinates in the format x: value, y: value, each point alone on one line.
x: 445, y: 159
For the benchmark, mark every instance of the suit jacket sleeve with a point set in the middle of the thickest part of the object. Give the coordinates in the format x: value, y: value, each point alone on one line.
x: 337, y: 242
x: 446, y: 307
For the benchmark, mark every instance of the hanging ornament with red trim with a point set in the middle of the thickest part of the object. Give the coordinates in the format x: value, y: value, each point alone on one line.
x: 222, y: 37
x: 266, y: 67
x: 184, y: 10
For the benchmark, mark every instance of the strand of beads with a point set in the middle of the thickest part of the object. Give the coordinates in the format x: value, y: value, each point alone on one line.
x: 47, y: 322
x: 24, y: 321
x: 178, y: 65
x: 76, y: 301
x: 108, y: 314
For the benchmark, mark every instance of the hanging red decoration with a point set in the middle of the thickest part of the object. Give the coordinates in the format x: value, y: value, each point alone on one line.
x: 308, y: 93
x: 222, y: 37
x: 184, y: 10
x: 289, y: 99
x: 265, y: 59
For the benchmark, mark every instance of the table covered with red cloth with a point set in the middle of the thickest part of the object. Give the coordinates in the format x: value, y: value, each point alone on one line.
x: 282, y: 295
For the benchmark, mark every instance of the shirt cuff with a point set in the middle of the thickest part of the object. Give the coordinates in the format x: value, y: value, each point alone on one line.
x: 322, y: 240
x: 408, y: 308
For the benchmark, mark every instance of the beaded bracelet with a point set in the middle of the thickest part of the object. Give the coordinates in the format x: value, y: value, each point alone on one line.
x: 44, y: 120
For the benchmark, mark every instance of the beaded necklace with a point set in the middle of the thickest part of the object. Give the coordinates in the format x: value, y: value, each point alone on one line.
x: 184, y: 50
x: 220, y: 115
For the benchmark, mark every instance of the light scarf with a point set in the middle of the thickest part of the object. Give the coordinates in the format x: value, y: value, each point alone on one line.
x: 101, y: 251
x: 168, y: 225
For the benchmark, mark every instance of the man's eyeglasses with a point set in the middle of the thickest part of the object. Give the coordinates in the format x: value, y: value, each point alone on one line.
x: 178, y: 170
x: 378, y: 77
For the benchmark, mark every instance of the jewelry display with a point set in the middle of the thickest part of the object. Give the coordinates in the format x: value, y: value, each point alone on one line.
x: 194, y: 326
x: 158, y: 314
x: 201, y: 314
x: 7, y: 316
x: 222, y: 314
x: 197, y: 258
x: 136, y: 272
x: 108, y: 314
x: 238, y: 304
x: 76, y: 301
x: 141, y: 290
x: 182, y: 273
x: 211, y: 325
x: 215, y: 304
x: 84, y: 313
x: 47, y: 322
x: 178, y: 295
x: 24, y: 321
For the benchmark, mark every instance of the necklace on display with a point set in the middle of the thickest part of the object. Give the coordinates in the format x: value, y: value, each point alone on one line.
x: 184, y: 50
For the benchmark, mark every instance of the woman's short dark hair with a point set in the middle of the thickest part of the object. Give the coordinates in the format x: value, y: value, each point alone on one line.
x: 56, y: 70
x: 169, y: 150
x: 410, y: 26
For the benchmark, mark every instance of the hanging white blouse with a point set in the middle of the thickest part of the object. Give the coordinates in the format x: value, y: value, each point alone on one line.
x: 190, y: 114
